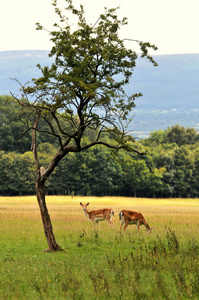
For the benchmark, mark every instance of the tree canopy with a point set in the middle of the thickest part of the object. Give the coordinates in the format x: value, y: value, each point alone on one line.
x: 84, y: 87
x: 82, y: 90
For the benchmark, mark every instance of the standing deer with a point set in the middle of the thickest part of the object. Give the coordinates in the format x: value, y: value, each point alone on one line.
x: 98, y: 215
x: 129, y: 217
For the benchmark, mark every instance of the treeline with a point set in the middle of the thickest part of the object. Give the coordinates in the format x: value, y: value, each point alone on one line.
x: 170, y: 167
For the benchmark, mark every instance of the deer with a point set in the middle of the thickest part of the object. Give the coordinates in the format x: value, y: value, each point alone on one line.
x: 98, y: 215
x: 129, y: 217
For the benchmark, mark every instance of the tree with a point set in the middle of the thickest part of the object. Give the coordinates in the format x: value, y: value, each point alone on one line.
x: 84, y: 88
x: 194, y: 186
x: 156, y: 137
x: 136, y: 175
x: 156, y: 183
x: 183, y: 164
x: 6, y: 164
x: 107, y: 176
x: 180, y: 135
x: 10, y: 126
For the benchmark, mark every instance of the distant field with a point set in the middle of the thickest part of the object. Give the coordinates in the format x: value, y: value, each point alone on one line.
x: 103, y: 264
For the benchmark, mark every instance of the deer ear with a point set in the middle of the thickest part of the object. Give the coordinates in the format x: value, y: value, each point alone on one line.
x: 80, y: 203
x: 87, y: 204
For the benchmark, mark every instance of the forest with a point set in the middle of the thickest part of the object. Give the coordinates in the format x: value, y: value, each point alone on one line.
x: 169, y: 168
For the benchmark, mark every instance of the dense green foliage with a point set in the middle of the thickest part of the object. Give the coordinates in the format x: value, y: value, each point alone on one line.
x: 169, y: 168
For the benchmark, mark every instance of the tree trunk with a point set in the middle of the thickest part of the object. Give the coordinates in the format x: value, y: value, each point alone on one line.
x: 40, y: 188
x: 48, y: 229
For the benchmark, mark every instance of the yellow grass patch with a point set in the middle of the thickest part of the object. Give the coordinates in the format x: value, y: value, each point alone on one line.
x: 65, y: 211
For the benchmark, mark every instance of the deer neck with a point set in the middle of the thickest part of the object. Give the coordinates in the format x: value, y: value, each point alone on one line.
x: 87, y: 213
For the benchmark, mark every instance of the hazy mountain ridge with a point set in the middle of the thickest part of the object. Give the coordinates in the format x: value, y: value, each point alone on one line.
x: 170, y: 91
x: 21, y: 65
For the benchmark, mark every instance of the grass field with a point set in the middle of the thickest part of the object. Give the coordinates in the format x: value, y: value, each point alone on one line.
x: 101, y: 264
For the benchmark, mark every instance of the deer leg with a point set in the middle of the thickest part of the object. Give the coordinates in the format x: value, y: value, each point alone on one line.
x: 93, y: 220
x: 109, y: 221
x: 97, y: 224
x: 138, y: 226
x: 122, y: 223
x: 125, y: 226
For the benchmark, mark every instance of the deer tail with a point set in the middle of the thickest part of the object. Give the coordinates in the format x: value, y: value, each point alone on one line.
x: 120, y: 214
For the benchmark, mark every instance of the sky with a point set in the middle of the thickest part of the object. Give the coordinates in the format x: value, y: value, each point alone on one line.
x: 172, y: 25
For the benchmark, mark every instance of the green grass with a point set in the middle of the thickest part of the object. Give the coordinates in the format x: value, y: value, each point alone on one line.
x: 102, y: 264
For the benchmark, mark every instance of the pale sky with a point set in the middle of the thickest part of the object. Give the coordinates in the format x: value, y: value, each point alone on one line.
x: 172, y: 25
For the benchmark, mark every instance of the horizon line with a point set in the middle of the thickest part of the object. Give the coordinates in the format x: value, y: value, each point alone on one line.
x: 155, y: 54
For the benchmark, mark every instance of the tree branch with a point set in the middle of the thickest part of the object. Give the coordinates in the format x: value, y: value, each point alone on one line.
x: 112, y: 147
x: 34, y: 146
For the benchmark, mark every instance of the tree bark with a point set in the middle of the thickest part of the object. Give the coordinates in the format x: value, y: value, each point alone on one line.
x: 48, y: 229
x: 40, y: 189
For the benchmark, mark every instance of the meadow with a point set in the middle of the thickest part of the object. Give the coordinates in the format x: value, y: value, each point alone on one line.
x: 100, y: 264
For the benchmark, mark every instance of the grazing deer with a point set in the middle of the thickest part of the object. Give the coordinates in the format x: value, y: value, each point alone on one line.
x: 98, y: 215
x: 129, y: 217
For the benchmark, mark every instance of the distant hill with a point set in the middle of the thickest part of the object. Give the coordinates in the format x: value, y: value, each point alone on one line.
x: 170, y: 91
x: 21, y: 65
